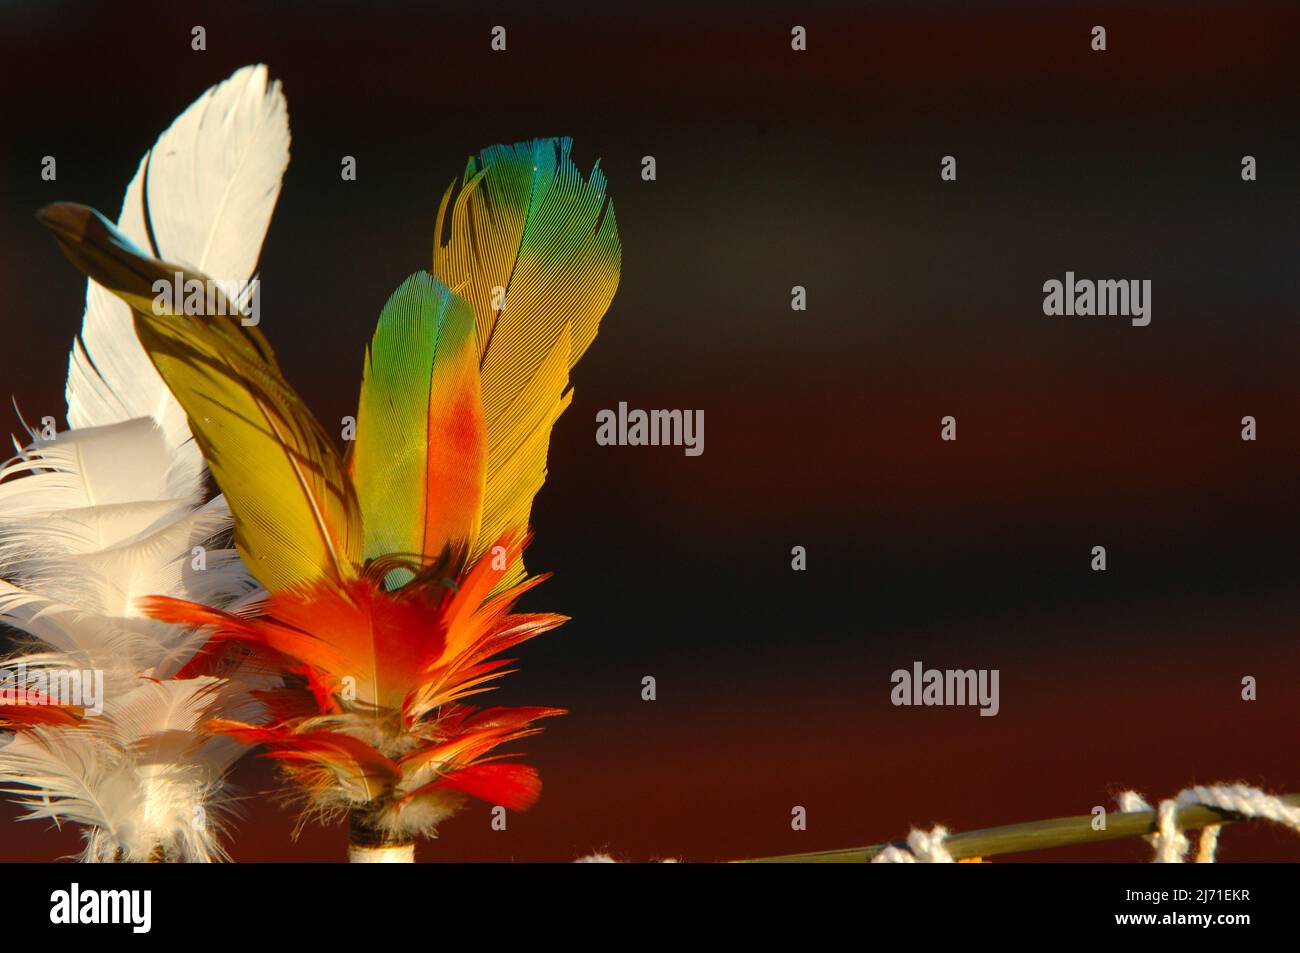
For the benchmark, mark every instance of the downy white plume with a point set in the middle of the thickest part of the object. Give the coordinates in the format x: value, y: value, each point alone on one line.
x: 113, y: 509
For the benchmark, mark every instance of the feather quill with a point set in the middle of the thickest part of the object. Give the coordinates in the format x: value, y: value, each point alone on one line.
x: 113, y: 510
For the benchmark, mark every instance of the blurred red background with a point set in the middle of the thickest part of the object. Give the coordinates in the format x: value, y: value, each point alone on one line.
x: 818, y: 169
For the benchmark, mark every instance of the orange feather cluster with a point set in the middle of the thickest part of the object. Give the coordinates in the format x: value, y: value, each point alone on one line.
x: 375, y: 718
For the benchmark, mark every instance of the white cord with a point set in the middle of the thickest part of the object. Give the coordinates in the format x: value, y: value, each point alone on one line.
x: 1171, y: 844
x: 923, y: 847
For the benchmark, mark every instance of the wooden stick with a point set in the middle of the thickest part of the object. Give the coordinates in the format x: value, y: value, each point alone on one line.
x: 1035, y: 835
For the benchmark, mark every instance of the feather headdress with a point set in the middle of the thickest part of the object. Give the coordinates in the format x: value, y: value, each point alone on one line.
x: 114, y: 509
x: 393, y: 575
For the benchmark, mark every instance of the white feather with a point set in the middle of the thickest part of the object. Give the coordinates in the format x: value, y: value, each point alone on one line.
x: 125, y: 462
x: 112, y: 510
x: 202, y: 196
x: 124, y: 650
x: 141, y: 776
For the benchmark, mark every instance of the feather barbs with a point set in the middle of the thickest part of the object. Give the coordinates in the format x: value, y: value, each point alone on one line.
x: 418, y: 461
x: 533, y: 247
x: 295, y: 509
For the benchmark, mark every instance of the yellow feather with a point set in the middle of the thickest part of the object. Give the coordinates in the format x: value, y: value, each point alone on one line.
x: 534, y: 249
x: 295, y: 510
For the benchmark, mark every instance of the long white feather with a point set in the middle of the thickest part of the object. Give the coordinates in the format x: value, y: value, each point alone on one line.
x: 112, y: 510
x: 202, y: 196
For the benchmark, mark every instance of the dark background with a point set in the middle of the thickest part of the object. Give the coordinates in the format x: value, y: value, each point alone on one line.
x: 821, y: 168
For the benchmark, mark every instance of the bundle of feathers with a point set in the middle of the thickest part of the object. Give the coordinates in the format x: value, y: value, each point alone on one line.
x: 392, y: 572
x: 116, y: 508
x: 389, y: 573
